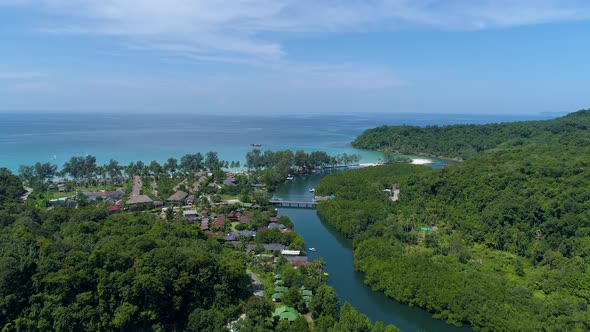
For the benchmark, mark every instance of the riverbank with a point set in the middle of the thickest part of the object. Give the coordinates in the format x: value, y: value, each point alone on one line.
x: 336, y: 252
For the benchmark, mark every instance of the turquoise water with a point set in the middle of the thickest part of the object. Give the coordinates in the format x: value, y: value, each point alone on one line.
x: 26, y: 138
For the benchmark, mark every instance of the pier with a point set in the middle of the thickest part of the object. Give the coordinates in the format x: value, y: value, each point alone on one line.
x: 294, y: 204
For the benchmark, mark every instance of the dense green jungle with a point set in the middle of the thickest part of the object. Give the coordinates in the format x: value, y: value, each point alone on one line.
x: 500, y: 241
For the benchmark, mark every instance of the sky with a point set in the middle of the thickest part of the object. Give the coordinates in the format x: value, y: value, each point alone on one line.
x: 295, y: 56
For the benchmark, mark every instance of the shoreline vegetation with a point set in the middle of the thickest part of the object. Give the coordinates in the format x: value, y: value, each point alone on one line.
x: 183, y: 246
x: 499, y: 241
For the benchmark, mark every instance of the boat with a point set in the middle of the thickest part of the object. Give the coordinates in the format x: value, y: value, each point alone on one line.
x: 290, y: 177
x: 312, y: 249
x: 312, y: 190
x: 256, y: 145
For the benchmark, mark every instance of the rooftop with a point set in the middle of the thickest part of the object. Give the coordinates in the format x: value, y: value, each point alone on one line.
x: 139, y: 199
x: 178, y: 196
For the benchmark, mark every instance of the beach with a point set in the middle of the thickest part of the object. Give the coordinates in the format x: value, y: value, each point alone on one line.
x: 421, y: 161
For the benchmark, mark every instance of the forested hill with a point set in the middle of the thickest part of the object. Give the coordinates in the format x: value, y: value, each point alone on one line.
x: 464, y: 141
x: 500, y: 241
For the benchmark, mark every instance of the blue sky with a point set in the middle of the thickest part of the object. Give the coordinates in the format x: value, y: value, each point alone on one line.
x: 285, y: 56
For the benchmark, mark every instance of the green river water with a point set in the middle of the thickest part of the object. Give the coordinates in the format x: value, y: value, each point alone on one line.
x: 336, y: 251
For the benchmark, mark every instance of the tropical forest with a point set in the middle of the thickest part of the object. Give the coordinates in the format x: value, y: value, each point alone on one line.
x: 499, y: 241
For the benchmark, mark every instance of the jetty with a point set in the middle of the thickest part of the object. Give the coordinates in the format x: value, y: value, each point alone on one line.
x: 294, y: 204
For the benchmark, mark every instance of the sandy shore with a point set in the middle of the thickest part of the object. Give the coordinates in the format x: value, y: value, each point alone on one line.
x: 421, y: 161
x: 370, y: 164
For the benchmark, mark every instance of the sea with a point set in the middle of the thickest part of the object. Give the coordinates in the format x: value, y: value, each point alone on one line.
x: 26, y: 138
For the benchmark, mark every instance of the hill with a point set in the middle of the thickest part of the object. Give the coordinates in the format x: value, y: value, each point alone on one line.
x: 465, y: 141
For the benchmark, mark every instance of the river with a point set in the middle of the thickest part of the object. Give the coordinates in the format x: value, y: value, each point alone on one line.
x: 336, y: 251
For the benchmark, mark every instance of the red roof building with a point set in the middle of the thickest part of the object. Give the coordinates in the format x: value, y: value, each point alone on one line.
x: 244, y: 219
x: 219, y: 221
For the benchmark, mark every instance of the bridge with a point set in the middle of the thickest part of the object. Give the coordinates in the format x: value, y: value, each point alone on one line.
x: 294, y: 204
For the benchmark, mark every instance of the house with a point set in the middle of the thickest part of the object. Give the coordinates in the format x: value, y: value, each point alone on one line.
x: 197, y: 184
x: 139, y: 199
x: 177, y: 197
x: 63, y: 202
x: 218, y: 233
x: 204, y: 224
x: 214, y: 186
x: 297, y: 260
x: 244, y: 219
x: 191, y: 215
x: 291, y: 252
x: 276, y: 226
x: 270, y: 247
x: 229, y: 182
x: 92, y: 196
x: 285, y: 313
x: 113, y: 208
x: 243, y: 233
x: 273, y: 219
x: 220, y: 221
x: 277, y: 297
x: 306, y: 294
x: 230, y: 179
x: 258, y: 186
x: 189, y: 200
x: 204, y: 213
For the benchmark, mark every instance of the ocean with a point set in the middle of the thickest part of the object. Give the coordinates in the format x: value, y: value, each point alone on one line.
x: 26, y: 138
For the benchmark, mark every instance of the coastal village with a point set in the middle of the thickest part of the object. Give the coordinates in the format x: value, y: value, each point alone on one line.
x: 233, y: 207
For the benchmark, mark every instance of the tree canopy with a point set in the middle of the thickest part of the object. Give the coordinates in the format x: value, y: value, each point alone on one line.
x: 499, y: 241
x: 67, y: 270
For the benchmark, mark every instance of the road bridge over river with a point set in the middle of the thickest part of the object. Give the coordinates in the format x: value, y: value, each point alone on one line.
x: 294, y: 204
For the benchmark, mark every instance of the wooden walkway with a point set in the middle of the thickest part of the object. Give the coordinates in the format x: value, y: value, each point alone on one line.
x: 294, y: 204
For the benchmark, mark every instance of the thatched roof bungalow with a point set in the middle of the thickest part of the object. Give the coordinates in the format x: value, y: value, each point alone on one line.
x: 139, y: 199
x: 178, y: 196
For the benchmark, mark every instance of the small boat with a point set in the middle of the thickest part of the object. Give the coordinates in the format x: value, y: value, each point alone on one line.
x: 326, y: 274
x: 290, y: 177
x: 312, y: 249
x: 312, y: 190
x: 256, y: 145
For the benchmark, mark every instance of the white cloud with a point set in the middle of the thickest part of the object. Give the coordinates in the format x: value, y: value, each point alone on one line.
x: 211, y: 28
x: 19, y: 75
x: 251, y: 32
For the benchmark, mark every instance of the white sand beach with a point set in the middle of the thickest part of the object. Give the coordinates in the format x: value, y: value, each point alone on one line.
x: 369, y: 164
x: 421, y: 161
